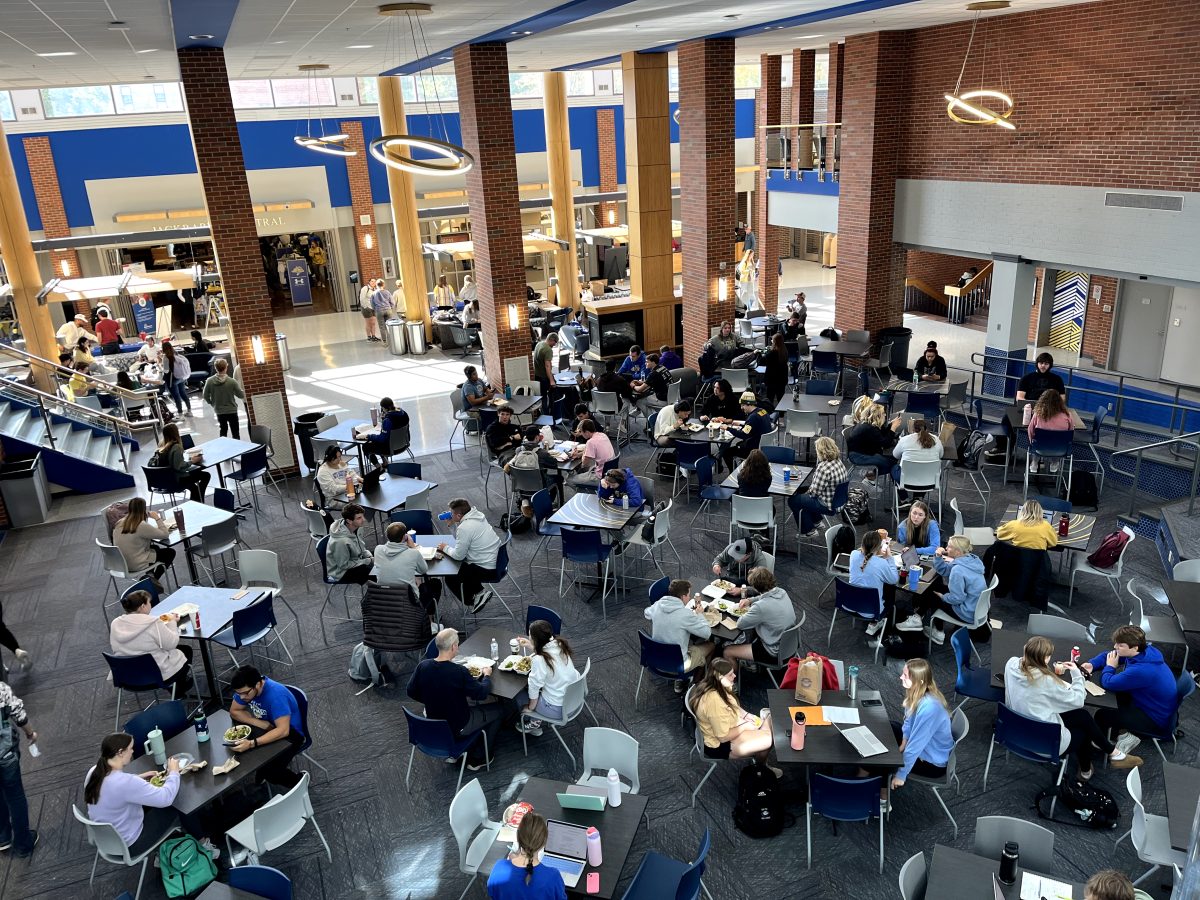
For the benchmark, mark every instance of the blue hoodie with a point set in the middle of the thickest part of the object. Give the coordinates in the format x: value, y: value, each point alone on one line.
x: 966, y: 582
x: 1147, y: 679
x: 934, y: 537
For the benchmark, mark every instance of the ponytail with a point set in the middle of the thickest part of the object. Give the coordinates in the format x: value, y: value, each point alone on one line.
x: 871, y: 542
x: 109, y: 748
x: 921, y: 430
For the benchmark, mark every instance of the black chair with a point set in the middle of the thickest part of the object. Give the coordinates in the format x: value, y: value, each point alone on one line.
x: 163, y: 480
x: 137, y: 674
x: 302, y: 703
x: 404, y: 469
x: 254, y: 466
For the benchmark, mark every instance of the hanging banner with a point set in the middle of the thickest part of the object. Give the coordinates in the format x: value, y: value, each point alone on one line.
x: 143, y: 315
x: 298, y: 281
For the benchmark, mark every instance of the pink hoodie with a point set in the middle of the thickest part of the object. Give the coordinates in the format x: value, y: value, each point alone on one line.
x: 136, y: 633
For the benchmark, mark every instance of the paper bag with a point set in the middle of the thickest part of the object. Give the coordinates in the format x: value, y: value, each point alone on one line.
x: 808, y: 681
x: 946, y: 435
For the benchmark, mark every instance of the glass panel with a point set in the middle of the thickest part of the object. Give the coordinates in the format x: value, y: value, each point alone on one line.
x: 618, y: 81
x: 437, y: 88
x: 251, y: 94
x: 7, y: 113
x: 143, y: 98
x: 96, y: 100
x: 581, y: 84
x: 673, y: 80
x: 368, y: 91
x: 408, y: 88
x: 748, y: 76
x: 303, y: 92
x: 821, y: 73
x: 525, y: 84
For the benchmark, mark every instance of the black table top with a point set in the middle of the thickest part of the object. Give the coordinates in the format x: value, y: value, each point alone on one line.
x: 443, y: 566
x: 779, y: 488
x: 617, y: 826
x: 958, y: 875
x: 586, y: 511
x: 1007, y: 643
x: 1185, y: 600
x: 196, y: 517
x: 392, y: 491
x: 520, y: 403
x: 823, y: 745
x: 1183, y: 792
x: 216, y: 608
x: 844, y: 348
x: 1079, y: 528
x: 198, y: 789
x: 505, y: 685
x: 1014, y: 414
x: 818, y: 403
x: 221, y: 449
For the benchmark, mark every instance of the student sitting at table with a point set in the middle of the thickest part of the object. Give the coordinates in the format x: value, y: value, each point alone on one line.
x: 137, y: 632
x: 768, y: 613
x: 582, y: 414
x: 1029, y: 529
x: 827, y: 477
x: 965, y: 581
x: 267, y: 705
x: 1144, y: 685
x: 931, y: 367
x: 391, y: 418
x: 925, y: 737
x: 595, y: 452
x: 1050, y: 413
x: 674, y: 619
x: 919, y: 530
x: 79, y: 385
x: 141, y: 813
x: 1034, y: 687
x: 170, y: 454
x: 754, y: 476
x: 634, y: 365
x: 477, y: 547
x: 757, y: 422
x: 503, y: 436
x: 919, y: 445
x: 522, y: 875
x: 1033, y: 384
x: 670, y: 421
x: 534, y: 455
x: 1109, y: 884
x: 735, y: 562
x: 332, y: 473
x: 669, y: 359
x: 552, y: 670
x: 347, y: 559
x: 727, y: 343
x: 474, y: 392
x: 721, y: 406
x: 399, y: 561
x: 149, y: 353
x: 871, y: 566
x: 445, y: 689
x: 870, y: 440
x: 137, y: 536
x: 620, y: 486
x: 609, y: 382
x: 729, y: 731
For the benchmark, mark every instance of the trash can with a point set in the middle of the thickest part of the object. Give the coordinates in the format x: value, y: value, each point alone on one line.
x: 899, y: 337
x: 395, y: 336
x: 304, y: 427
x: 416, y: 337
x: 25, y: 491
x: 285, y: 359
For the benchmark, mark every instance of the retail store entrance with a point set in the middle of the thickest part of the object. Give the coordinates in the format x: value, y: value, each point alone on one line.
x: 300, y: 272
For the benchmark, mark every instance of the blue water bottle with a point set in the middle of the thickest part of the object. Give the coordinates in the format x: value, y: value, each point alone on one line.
x: 914, y: 577
x: 508, y: 392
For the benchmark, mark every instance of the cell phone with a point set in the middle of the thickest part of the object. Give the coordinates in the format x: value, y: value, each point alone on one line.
x: 593, y: 883
x: 872, y: 701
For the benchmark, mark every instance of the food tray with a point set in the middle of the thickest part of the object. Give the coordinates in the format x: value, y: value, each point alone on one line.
x: 510, y: 664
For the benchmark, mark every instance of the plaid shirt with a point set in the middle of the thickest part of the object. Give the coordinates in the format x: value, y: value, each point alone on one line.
x: 12, y: 704
x: 825, y: 480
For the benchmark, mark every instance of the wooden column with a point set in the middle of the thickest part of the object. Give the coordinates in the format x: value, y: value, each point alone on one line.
x: 404, y: 210
x: 21, y: 265
x: 562, y: 194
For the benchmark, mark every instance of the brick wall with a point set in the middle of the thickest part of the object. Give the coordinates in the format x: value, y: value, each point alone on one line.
x: 606, y: 141
x: 706, y: 166
x: 834, y: 100
x: 486, y: 110
x: 767, y: 105
x: 235, y: 235
x: 370, y: 264
x: 938, y: 269
x: 50, y: 206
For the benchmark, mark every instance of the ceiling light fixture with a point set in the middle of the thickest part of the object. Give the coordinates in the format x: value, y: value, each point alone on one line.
x: 200, y: 37
x: 151, y: 50
x: 322, y: 143
x: 965, y: 107
x: 359, y: 46
x: 57, y: 53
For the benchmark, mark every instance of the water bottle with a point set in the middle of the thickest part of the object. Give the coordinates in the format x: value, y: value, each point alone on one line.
x: 178, y: 511
x: 614, y: 788
x: 916, y: 380
x: 508, y: 392
x: 853, y: 671
x: 349, y: 486
x: 1027, y: 414
x: 594, y: 857
x: 201, y: 725
x: 914, y: 578
x: 1064, y: 525
x: 495, y: 650
x: 1009, y: 860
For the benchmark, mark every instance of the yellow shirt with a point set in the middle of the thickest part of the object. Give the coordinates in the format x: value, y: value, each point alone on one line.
x: 1041, y: 535
x: 716, y: 718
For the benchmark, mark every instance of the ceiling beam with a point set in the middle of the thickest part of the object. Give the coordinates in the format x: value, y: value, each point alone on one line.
x: 202, y: 23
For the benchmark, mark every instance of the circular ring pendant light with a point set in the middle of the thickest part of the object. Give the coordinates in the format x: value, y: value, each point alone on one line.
x: 965, y: 107
x: 330, y: 144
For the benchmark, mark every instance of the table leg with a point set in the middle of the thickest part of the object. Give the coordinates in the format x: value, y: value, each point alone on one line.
x: 214, y: 695
x: 187, y: 552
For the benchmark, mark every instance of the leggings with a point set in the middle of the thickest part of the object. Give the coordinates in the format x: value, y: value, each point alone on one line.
x: 1084, y: 733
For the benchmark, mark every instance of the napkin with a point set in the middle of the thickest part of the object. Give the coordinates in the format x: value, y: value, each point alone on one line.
x: 229, y: 765
x: 196, y: 766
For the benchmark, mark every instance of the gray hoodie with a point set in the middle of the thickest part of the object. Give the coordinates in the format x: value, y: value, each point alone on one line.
x: 673, y: 623
x: 345, y: 550
x: 399, y: 563
x: 770, y: 615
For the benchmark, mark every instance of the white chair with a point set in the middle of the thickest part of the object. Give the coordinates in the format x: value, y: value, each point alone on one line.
x: 832, y: 569
x: 739, y: 379
x: 275, y: 823
x: 115, y: 567
x: 473, y: 831
x: 574, y: 702
x: 608, y: 748
x: 662, y: 535
x: 419, y: 500
x: 1152, y: 841
x: 260, y: 568
x: 609, y: 408
x: 982, y: 609
x: 960, y: 726
x: 462, y: 419
x: 697, y: 744
x: 1159, y: 629
x: 111, y: 847
x: 913, y: 874
x: 1187, y: 570
x: 918, y: 477
x: 805, y: 425
x: 789, y: 646
x: 1037, y: 843
x: 1057, y: 628
x: 317, y: 529
x: 979, y: 537
x: 754, y: 514
x: 1079, y: 564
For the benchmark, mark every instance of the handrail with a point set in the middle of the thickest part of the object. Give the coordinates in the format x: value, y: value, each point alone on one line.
x: 109, y: 387
x: 926, y: 288
x: 953, y: 290
x: 47, y: 403
x: 802, y: 125
x: 1181, y: 440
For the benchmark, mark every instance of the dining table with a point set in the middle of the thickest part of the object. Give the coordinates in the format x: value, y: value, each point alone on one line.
x: 958, y: 875
x: 823, y: 744
x: 1185, y: 601
x: 505, y: 685
x: 1079, y: 528
x: 220, y: 450
x: 1010, y: 642
x: 196, y: 517
x: 782, y: 484
x: 1183, y: 794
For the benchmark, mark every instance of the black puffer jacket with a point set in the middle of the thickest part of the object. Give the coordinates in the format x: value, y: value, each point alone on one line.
x: 394, y: 619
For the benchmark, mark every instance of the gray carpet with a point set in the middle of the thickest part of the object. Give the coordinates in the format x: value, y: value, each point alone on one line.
x: 391, y: 843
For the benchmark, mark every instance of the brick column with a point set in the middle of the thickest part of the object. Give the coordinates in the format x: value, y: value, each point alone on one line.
x: 235, y: 241
x: 870, y: 278
x: 833, y: 101
x: 370, y: 263
x: 804, y: 71
x: 706, y: 173
x: 487, y: 130
x: 50, y: 207
x: 767, y: 102
x: 606, y: 141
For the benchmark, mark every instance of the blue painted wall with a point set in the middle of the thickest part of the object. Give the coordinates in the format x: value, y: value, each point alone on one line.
x: 144, y: 150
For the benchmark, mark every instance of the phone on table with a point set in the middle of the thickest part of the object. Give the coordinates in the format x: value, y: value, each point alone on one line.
x: 593, y: 883
x: 872, y: 701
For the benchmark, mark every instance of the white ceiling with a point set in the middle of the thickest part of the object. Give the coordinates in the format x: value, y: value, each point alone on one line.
x: 271, y: 38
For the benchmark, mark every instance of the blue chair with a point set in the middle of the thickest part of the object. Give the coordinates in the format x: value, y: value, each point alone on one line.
x: 662, y: 878
x: 431, y: 650
x: 502, y: 572
x: 821, y: 387
x: 163, y: 480
x: 223, y: 498
x: 1029, y: 739
x: 708, y: 490
x: 170, y: 718
x: 655, y: 449
x: 586, y: 547
x: 543, y: 508
x: 535, y: 613
x: 825, y: 363
x: 1054, y: 446
x: 433, y: 737
x: 253, y: 467
x: 928, y: 406
x: 249, y: 626
x: 688, y: 455
x: 862, y: 602
x: 146, y: 585
x: 302, y: 705
x: 1184, y: 686
x: 404, y: 469
x: 418, y: 521
x: 262, y: 881
x: 661, y: 658
x: 844, y: 800
x: 971, y: 683
x: 775, y: 453
x: 136, y: 674
x: 658, y: 590
x: 1090, y: 446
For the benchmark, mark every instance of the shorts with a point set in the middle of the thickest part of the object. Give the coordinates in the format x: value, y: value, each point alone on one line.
x: 368, y: 312
x: 761, y: 654
x: 720, y: 752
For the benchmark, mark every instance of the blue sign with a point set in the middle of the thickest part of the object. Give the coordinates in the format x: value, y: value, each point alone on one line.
x: 143, y: 316
x: 298, y: 281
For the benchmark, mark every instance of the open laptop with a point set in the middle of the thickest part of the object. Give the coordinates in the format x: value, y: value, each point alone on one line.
x: 861, y: 738
x: 566, y: 850
x: 371, y: 479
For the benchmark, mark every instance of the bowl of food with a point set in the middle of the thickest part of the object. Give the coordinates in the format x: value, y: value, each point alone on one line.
x: 158, y: 779
x: 523, y: 665
x: 474, y: 671
x: 237, y: 733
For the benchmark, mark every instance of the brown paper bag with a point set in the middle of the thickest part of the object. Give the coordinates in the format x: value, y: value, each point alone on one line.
x: 808, y: 681
x: 946, y: 435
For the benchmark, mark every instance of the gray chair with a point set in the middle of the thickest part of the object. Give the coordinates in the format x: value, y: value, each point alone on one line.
x: 789, y: 646
x: 1057, y: 628
x: 913, y: 876
x: 1036, y: 842
x: 1159, y: 629
x: 960, y: 726
x: 697, y: 744
x: 215, y: 541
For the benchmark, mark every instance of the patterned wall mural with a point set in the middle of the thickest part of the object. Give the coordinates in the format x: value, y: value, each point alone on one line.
x: 1070, y: 304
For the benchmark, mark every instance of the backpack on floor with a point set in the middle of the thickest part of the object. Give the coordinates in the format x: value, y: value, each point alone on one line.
x: 665, y: 465
x: 1109, y: 551
x: 758, y: 812
x: 1083, y: 490
x: 1094, y: 807
x: 857, y: 510
x: 186, y: 866
x: 364, y: 666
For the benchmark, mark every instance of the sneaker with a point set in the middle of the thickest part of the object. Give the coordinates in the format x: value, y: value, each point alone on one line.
x: 935, y: 634
x: 776, y: 771
x: 1085, y: 776
x: 1128, y: 761
x: 212, y: 851
x: 28, y: 852
x: 885, y: 806
x: 1126, y: 742
x: 24, y: 659
x: 4, y: 845
x: 481, y: 600
x: 912, y: 623
x: 240, y: 855
x: 875, y: 644
x: 873, y: 628
x: 530, y: 726
x: 679, y: 685
x: 451, y: 760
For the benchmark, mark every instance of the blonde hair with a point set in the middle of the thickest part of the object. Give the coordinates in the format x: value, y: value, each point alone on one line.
x: 961, y: 543
x: 860, y: 411
x: 876, y: 414
x: 1030, y: 513
x: 923, y: 685
x: 827, y: 449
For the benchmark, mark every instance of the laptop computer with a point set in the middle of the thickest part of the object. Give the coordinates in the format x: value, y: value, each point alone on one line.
x: 371, y: 479
x: 566, y: 850
x: 861, y: 738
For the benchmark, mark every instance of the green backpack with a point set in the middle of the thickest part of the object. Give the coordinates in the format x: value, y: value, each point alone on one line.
x: 186, y: 866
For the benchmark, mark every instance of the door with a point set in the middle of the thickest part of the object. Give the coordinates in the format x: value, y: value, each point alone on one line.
x: 1183, y: 336
x: 1143, y: 326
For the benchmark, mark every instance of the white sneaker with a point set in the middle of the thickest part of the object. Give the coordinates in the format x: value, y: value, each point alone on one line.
x: 212, y: 851
x: 936, y: 635
x: 873, y: 628
x: 240, y: 855
x: 1127, y: 742
x: 912, y: 623
x: 874, y: 645
x: 24, y: 659
x: 530, y: 726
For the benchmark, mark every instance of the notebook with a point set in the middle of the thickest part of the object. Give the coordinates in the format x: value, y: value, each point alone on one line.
x: 861, y: 738
x: 574, y: 800
x: 566, y: 850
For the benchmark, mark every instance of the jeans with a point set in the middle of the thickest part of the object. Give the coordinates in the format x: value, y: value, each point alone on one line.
x: 14, y: 809
x: 808, y: 510
x: 1128, y: 716
x: 178, y: 389
x: 229, y: 423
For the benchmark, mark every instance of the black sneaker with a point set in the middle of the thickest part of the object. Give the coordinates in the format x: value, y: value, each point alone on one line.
x: 481, y: 600
x: 4, y: 845
x: 29, y: 852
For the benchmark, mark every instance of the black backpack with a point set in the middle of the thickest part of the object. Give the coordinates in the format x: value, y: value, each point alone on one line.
x: 1095, y: 807
x: 857, y: 510
x: 758, y: 812
x: 1083, y: 490
x: 969, y: 447
x: 844, y: 541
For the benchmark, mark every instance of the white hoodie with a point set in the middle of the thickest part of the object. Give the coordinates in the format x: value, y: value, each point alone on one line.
x: 551, y: 683
x: 133, y: 634
x: 475, y: 541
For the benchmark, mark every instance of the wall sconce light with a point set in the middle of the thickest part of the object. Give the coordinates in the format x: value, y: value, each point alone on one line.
x: 722, y: 290
x: 513, y: 320
x: 256, y: 344
x: 612, y: 217
x: 65, y: 265
x: 369, y: 241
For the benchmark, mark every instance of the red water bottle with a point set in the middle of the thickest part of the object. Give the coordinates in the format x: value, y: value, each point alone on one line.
x: 1064, y: 525
x: 1075, y: 655
x: 196, y: 622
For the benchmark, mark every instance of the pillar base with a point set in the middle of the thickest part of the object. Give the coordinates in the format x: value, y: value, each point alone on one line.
x: 998, y: 363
